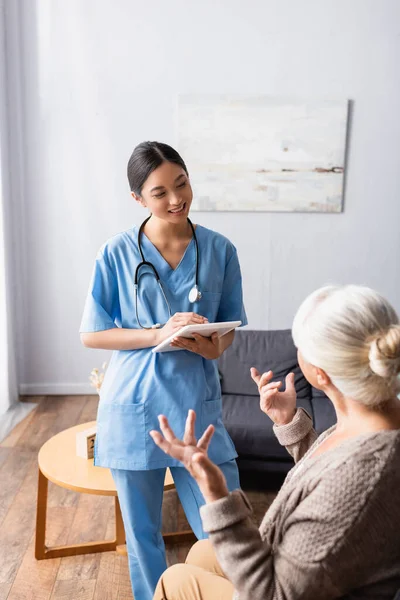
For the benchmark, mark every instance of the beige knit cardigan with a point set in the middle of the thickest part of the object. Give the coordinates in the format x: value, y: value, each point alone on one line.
x: 333, y: 531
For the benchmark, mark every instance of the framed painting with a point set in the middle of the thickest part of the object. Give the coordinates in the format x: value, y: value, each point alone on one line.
x: 259, y: 153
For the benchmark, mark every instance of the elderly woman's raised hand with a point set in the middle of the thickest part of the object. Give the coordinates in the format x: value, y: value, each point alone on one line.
x: 193, y: 454
x: 279, y: 406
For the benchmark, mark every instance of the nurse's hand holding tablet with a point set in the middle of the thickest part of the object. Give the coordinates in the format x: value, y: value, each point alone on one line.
x: 203, y: 339
x: 207, y: 347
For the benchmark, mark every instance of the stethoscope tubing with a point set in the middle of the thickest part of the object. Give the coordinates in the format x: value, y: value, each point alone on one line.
x: 145, y: 262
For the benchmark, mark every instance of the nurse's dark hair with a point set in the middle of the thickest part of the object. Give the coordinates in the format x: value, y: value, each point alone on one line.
x: 147, y: 157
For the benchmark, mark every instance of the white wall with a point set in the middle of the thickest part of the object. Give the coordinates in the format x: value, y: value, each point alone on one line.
x: 102, y: 75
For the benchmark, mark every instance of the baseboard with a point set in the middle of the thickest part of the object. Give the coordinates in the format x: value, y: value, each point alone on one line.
x: 55, y: 389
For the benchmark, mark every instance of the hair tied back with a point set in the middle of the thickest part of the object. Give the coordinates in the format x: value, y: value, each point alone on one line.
x: 384, y: 353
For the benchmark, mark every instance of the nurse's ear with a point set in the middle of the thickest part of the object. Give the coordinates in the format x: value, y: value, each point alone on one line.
x: 138, y: 199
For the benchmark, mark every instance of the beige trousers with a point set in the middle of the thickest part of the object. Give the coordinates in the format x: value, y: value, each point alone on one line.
x: 200, y: 578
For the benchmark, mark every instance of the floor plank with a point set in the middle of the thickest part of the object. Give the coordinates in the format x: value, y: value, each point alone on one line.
x: 113, y: 582
x: 36, y: 579
x: 53, y: 414
x: 84, y: 529
x: 19, y: 431
x: 18, y: 525
x: 74, y: 589
x: 12, y: 474
x: 4, y: 589
x: 58, y: 496
x: 4, y: 454
x: 173, y: 519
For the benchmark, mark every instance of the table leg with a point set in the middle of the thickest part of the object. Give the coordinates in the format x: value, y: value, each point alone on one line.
x: 42, y: 551
x: 119, y: 529
x: 41, y: 509
x: 118, y: 544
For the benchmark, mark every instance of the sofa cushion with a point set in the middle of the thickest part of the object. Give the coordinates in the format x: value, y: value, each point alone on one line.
x: 265, y: 350
x: 251, y: 429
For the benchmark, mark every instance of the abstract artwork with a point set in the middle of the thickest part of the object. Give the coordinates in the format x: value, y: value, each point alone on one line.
x: 259, y: 153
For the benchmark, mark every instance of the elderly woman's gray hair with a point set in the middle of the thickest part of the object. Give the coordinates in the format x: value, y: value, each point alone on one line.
x: 353, y: 334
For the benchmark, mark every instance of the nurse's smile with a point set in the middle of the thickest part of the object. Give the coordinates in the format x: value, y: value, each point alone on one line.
x: 178, y: 211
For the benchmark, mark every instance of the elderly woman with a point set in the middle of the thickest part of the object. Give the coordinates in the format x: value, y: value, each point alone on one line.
x: 333, y: 530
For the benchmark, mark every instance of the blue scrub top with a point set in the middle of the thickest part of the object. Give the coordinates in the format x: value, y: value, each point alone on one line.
x: 138, y: 384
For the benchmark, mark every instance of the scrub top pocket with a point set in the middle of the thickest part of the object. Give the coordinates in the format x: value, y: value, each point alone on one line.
x: 121, y: 432
x: 212, y: 406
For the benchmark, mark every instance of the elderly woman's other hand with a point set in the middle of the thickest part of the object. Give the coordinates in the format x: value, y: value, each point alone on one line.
x: 279, y: 406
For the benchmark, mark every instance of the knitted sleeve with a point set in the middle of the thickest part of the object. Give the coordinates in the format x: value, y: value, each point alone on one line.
x: 298, y: 436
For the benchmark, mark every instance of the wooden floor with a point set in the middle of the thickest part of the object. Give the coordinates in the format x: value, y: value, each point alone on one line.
x: 72, y: 517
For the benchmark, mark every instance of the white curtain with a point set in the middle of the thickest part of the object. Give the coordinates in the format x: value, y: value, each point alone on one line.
x: 11, y: 411
x: 8, y: 379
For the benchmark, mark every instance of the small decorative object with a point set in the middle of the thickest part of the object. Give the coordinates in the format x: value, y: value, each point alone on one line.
x: 85, y: 442
x: 85, y: 439
x: 96, y: 377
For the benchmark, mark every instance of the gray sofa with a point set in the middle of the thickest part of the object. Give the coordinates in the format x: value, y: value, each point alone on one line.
x: 249, y: 427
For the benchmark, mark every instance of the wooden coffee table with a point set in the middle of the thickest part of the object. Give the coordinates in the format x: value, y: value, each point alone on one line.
x: 59, y: 463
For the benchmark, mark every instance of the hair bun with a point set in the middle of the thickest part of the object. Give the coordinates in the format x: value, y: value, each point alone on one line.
x: 384, y: 353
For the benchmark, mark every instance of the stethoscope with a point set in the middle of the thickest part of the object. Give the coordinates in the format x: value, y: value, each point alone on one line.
x: 194, y: 294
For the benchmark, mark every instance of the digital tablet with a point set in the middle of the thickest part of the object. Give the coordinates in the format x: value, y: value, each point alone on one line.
x: 207, y: 330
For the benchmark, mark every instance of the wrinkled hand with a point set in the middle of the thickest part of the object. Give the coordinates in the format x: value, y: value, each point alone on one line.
x: 193, y: 455
x: 279, y: 406
x: 207, y: 347
x: 176, y: 322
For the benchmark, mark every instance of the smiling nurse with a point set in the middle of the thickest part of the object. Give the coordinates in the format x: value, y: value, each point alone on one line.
x: 147, y: 283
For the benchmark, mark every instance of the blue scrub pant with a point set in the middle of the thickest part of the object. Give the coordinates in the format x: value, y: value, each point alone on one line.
x: 140, y: 496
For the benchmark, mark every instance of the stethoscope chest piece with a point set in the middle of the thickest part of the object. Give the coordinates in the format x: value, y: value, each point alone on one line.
x: 194, y: 294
